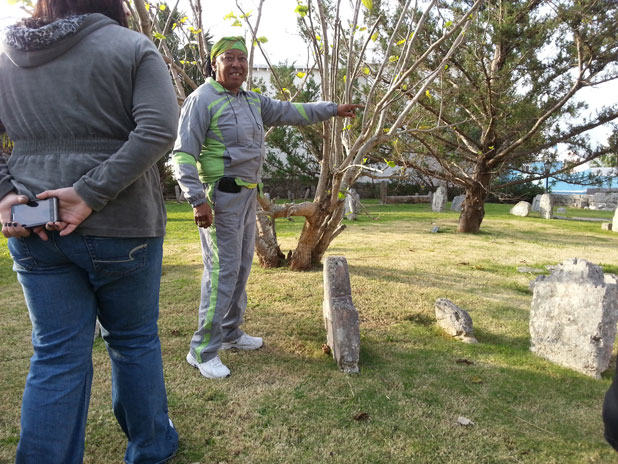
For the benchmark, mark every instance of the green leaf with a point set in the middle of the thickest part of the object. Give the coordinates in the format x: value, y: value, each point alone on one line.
x: 448, y: 24
x: 390, y: 164
x: 256, y: 90
x: 302, y: 10
x: 364, y: 160
x: 375, y: 36
x: 401, y: 42
x: 162, y: 7
x: 341, y: 195
x: 300, y: 74
x: 393, y: 58
x: 428, y: 94
x: 366, y: 71
x: 158, y: 36
x: 368, y: 4
x: 237, y: 23
x: 262, y: 39
x: 230, y: 15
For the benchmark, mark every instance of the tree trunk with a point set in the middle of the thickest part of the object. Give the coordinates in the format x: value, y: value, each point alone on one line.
x: 322, y: 225
x: 266, y: 246
x: 473, y: 208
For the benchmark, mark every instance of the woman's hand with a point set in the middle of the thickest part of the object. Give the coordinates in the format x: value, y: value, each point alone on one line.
x: 13, y: 229
x: 348, y: 111
x: 72, y: 210
x: 203, y: 215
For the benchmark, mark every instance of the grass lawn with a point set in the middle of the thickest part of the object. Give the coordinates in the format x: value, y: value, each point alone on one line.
x: 287, y: 403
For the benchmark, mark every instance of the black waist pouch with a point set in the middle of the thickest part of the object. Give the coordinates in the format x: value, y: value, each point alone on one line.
x: 228, y: 185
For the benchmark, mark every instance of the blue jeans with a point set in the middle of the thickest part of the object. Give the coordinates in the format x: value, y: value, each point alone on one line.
x: 68, y: 282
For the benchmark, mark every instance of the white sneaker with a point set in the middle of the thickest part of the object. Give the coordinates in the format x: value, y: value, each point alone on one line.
x: 244, y: 342
x: 212, y: 369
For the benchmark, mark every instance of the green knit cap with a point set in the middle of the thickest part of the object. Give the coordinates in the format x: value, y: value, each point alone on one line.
x: 227, y: 43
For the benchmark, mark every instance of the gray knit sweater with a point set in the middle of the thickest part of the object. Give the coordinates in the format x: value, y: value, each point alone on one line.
x: 91, y: 108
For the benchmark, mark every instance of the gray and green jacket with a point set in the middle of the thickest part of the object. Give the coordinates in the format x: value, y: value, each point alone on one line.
x: 222, y: 134
x: 89, y: 104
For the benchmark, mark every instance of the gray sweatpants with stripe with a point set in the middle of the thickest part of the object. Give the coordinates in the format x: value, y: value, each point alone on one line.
x: 227, y: 251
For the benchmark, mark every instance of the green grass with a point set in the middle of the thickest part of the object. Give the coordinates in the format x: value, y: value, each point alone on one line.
x: 287, y: 403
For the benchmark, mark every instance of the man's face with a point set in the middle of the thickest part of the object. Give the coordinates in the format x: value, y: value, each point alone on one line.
x: 231, y: 69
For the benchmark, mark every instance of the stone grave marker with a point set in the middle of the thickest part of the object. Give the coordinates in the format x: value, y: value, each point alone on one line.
x: 573, y: 316
x: 546, y: 206
x: 340, y: 315
x: 439, y: 200
x: 457, y: 203
x: 454, y: 320
x: 521, y: 209
x: 535, y: 203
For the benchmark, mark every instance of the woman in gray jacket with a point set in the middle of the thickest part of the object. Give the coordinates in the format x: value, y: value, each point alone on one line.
x: 90, y: 107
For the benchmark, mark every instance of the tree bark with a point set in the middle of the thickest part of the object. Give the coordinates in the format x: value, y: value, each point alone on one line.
x: 266, y: 245
x: 473, y: 208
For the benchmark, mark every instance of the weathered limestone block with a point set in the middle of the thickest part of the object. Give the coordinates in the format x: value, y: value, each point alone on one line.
x: 546, y: 206
x: 457, y: 203
x: 615, y: 221
x: 439, y: 200
x: 454, y: 321
x: 340, y: 315
x: 521, y: 209
x: 535, y: 203
x: 573, y: 316
x: 352, y: 205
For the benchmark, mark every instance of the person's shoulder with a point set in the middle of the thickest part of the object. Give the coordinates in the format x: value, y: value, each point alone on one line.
x: 204, y: 93
x: 113, y: 34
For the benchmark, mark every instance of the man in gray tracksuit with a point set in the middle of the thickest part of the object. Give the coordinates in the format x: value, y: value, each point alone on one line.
x: 217, y: 161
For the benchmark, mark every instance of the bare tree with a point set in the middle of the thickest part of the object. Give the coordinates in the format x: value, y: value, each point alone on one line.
x: 345, y: 64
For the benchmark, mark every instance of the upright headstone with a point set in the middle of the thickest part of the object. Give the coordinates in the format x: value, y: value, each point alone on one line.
x: 340, y: 315
x: 457, y: 203
x: 521, y: 209
x: 351, y: 205
x: 535, y: 203
x: 546, y: 206
x: 573, y: 316
x: 439, y: 200
x: 615, y: 221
